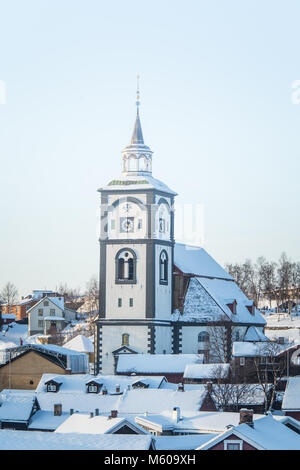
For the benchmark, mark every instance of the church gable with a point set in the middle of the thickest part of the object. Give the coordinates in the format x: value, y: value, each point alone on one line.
x: 199, y: 306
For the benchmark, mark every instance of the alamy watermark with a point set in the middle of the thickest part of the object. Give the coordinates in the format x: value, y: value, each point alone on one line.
x: 296, y: 93
x: 2, y: 92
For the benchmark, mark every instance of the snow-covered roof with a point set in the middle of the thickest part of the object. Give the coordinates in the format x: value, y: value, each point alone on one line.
x: 291, y: 397
x: 133, y: 182
x: 80, y: 343
x: 254, y: 334
x: 16, y: 407
x: 201, y: 421
x: 39, y: 440
x: 206, y: 371
x: 76, y: 383
x: 47, y: 420
x: 266, y: 434
x: 156, y: 363
x: 188, y: 442
x: 195, y: 260
x: 221, y: 291
x: 251, y: 348
x: 83, y: 423
x: 57, y: 301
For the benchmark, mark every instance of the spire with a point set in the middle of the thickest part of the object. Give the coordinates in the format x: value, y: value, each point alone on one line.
x: 137, y: 157
x: 137, y: 136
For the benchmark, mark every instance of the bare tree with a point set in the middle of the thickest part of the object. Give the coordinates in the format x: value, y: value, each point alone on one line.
x: 9, y: 295
x: 92, y: 295
x: 219, y: 341
x: 269, y: 368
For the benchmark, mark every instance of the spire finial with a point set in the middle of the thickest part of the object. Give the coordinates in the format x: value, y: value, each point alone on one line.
x: 137, y: 91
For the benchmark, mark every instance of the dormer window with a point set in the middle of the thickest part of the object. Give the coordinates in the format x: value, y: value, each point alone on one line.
x: 251, y: 308
x: 53, y: 386
x: 93, y: 387
x: 232, y: 306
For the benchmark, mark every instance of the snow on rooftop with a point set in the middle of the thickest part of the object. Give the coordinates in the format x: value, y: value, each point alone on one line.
x: 83, y: 423
x: 201, y: 421
x: 206, y: 371
x: 254, y: 334
x: 156, y: 363
x: 188, y: 442
x: 250, y: 348
x: 221, y: 291
x: 133, y: 182
x: 291, y: 398
x: 80, y: 343
x: 16, y: 407
x: 39, y: 440
x: 266, y: 434
x: 195, y: 260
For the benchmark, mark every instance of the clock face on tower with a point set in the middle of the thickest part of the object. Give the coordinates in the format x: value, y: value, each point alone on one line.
x: 126, y: 224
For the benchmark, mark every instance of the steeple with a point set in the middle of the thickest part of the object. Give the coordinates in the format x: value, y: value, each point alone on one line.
x: 137, y: 157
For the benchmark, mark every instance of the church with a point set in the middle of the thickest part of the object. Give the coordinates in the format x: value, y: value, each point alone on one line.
x: 157, y: 296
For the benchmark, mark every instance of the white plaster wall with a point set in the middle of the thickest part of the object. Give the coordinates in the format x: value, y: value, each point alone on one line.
x: 189, y: 343
x: 112, y: 340
x: 163, y: 340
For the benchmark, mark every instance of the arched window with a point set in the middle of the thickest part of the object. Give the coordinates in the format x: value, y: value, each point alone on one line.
x: 203, y: 337
x: 126, y: 266
x: 125, y: 339
x: 163, y: 267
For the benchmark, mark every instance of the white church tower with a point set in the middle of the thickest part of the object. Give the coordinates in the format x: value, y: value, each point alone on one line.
x: 136, y: 260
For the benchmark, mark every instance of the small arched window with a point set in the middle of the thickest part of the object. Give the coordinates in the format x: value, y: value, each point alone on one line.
x: 203, y: 337
x: 163, y: 267
x: 126, y: 266
x: 125, y: 339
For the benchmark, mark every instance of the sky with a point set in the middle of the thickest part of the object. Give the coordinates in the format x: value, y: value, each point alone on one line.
x: 220, y: 108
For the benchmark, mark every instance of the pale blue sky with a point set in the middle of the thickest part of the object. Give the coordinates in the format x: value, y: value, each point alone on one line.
x: 216, y: 108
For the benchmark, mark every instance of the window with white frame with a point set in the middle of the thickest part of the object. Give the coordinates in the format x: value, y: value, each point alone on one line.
x: 233, y: 444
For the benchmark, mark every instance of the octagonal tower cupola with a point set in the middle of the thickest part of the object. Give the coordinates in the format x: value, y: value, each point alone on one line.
x: 137, y: 157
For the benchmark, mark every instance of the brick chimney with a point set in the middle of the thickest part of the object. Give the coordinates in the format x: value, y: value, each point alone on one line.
x: 180, y: 387
x: 104, y: 391
x: 68, y: 371
x: 246, y: 417
x: 114, y: 413
x: 118, y: 388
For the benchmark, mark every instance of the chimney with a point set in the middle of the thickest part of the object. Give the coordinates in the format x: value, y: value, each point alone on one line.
x: 118, y: 389
x: 209, y: 387
x: 71, y: 411
x: 91, y: 415
x: 68, y: 371
x: 180, y: 387
x: 176, y: 414
x: 104, y: 391
x: 246, y: 417
x: 97, y: 412
x: 114, y: 414
x: 57, y: 409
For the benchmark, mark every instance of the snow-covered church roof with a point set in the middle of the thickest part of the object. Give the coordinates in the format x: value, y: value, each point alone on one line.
x: 195, y: 260
x: 211, y: 290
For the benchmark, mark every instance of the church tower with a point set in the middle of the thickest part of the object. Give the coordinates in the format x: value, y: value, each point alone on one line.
x: 136, y: 260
